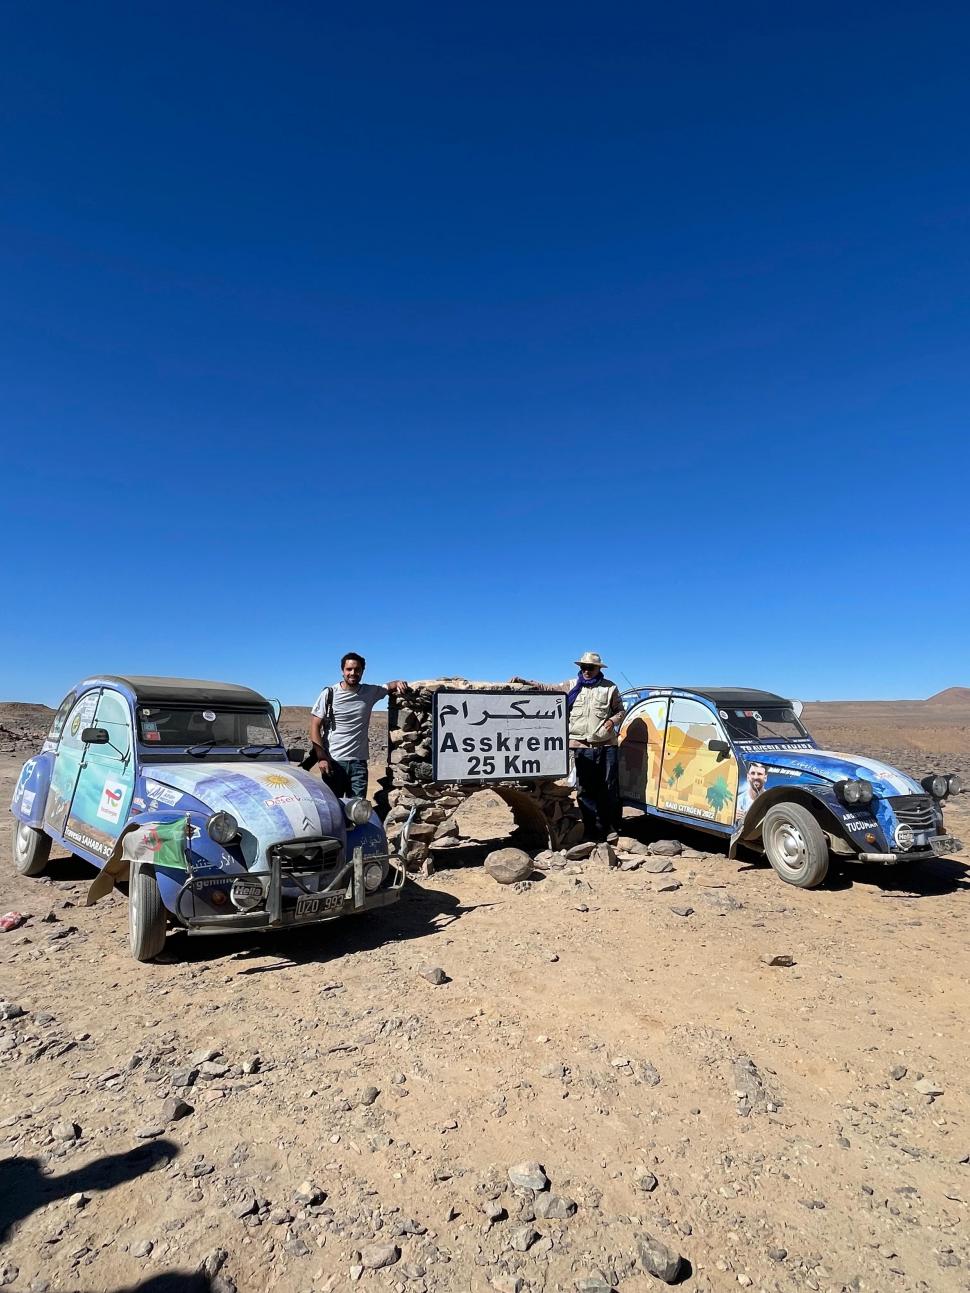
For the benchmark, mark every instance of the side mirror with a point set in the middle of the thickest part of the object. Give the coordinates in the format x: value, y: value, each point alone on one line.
x: 797, y: 706
x: 95, y: 736
x: 277, y: 708
x: 721, y: 748
x: 296, y: 754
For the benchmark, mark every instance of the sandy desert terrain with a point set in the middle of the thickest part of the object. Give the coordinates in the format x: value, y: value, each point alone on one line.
x: 311, y: 1113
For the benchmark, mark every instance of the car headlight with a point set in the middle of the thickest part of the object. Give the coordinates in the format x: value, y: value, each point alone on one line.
x: 358, y: 811
x: 935, y: 784
x: 855, y: 791
x: 222, y: 827
x: 904, y: 836
x: 954, y: 784
x: 373, y: 876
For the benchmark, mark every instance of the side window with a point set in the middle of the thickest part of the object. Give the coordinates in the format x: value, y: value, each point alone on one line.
x: 695, y: 780
x: 82, y: 716
x: 113, y: 715
x: 60, y: 718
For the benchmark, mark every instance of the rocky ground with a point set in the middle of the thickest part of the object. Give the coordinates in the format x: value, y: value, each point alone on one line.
x: 682, y: 1067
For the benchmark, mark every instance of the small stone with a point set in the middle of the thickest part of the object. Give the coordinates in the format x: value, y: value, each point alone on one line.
x: 79, y: 1201
x: 10, y: 1010
x: 657, y: 866
x: 779, y: 958
x: 204, y: 1057
x: 550, y: 1207
x: 657, y: 1259
x: 173, y: 1109
x: 368, y: 1096
x: 244, y: 1206
x: 523, y: 1238
x: 666, y: 848
x: 280, y: 1216
x: 210, y: 1070
x: 898, y: 1072
x: 493, y: 1210
x: 580, y: 851
x: 374, y: 1257
x: 309, y: 1195
x: 434, y: 974
x: 647, y: 1182
x: 669, y: 886
x: 528, y: 1176
x: 150, y: 1133
x: 777, y: 1254
x: 506, y: 1283
x: 603, y: 855
x: 142, y: 1249
x: 65, y: 1130
x: 925, y: 1087
x: 682, y: 911
x: 594, y: 1282
x: 509, y: 866
x: 9, y: 1274
x: 184, y: 1077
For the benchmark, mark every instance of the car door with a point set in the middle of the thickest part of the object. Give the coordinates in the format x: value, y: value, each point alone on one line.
x: 67, y: 761
x: 641, y: 751
x: 695, y: 780
x: 102, y: 796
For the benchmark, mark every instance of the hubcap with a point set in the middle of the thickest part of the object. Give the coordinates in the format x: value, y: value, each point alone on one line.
x: 23, y: 838
x: 788, y: 845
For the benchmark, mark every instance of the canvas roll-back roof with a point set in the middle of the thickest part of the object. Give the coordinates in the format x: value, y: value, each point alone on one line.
x: 186, y: 691
x: 729, y: 697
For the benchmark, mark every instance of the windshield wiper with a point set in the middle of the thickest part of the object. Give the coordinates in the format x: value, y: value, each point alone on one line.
x: 203, y: 747
x: 256, y: 748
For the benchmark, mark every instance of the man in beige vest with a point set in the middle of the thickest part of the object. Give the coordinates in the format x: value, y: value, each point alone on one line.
x: 595, y: 713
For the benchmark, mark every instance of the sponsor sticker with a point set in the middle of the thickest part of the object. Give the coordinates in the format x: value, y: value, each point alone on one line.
x: 280, y: 800
x: 88, y: 842
x: 27, y: 802
x: 112, y: 798
x: 164, y: 794
x: 209, y: 715
x: 152, y: 736
x: 76, y: 725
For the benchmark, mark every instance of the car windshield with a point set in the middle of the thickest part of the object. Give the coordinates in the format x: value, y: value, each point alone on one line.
x: 774, y: 724
x: 211, y: 726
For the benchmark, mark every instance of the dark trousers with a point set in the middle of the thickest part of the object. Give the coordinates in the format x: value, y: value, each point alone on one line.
x: 598, y: 785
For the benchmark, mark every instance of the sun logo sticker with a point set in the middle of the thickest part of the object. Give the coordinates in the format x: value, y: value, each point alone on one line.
x: 276, y: 779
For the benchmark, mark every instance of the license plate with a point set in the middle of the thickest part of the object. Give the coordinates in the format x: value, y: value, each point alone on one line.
x: 945, y: 844
x: 318, y: 904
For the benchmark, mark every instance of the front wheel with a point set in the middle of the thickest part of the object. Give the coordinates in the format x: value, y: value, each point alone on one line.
x: 31, y: 849
x: 795, y: 845
x: 146, y: 917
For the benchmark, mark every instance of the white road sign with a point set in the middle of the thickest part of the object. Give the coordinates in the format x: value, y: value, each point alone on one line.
x: 499, y: 736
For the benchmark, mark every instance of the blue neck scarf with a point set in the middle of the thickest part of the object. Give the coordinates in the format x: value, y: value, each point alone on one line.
x: 580, y: 683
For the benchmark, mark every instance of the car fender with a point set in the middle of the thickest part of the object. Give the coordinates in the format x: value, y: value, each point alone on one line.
x: 30, y: 793
x: 819, y: 798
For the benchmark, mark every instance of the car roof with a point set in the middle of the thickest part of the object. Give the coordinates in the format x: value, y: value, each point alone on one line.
x: 184, y: 691
x: 727, y: 697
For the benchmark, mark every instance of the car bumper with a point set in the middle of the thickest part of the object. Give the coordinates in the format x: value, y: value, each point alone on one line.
x: 344, y: 895
x: 941, y: 846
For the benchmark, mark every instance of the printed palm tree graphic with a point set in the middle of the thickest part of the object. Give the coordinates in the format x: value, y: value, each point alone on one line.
x: 678, y: 773
x: 718, y: 794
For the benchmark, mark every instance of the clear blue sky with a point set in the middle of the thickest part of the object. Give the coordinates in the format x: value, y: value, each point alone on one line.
x: 472, y: 337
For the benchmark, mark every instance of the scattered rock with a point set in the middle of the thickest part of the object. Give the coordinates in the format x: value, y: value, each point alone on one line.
x: 528, y: 1176
x: 603, y: 855
x: 925, y: 1087
x: 523, y: 1238
x: 368, y: 1096
x: 142, y: 1249
x: 506, y: 1283
x: 434, y: 973
x: 374, y: 1257
x: 309, y: 1194
x: 657, y: 866
x: 666, y: 848
x: 550, y: 1207
x: 580, y: 851
x: 173, y: 1109
x: 509, y: 866
x: 594, y: 1282
x: 682, y: 911
x: 627, y: 844
x: 210, y: 1071
x: 204, y: 1056
x: 65, y: 1130
x: 657, y: 1259
x: 898, y: 1072
x: 784, y: 959
x: 646, y: 1181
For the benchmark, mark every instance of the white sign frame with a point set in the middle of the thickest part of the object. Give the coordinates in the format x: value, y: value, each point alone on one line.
x: 483, y: 736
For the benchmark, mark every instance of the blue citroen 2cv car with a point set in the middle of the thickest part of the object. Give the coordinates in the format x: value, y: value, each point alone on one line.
x: 739, y: 763
x: 183, y: 788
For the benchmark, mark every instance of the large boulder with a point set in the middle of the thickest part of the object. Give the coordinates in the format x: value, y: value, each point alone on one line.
x: 509, y: 866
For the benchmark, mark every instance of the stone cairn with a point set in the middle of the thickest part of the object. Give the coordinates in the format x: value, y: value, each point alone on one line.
x: 545, y: 812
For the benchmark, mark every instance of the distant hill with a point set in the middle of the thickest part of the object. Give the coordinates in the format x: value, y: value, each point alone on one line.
x: 956, y: 696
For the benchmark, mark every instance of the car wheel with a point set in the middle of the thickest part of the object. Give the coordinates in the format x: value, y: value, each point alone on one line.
x: 31, y: 849
x: 795, y: 845
x: 146, y: 917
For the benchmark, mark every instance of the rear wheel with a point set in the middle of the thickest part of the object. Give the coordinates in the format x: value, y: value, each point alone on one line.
x: 31, y: 849
x: 795, y: 845
x: 146, y: 917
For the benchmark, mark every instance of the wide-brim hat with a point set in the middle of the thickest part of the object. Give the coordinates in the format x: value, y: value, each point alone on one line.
x: 590, y: 657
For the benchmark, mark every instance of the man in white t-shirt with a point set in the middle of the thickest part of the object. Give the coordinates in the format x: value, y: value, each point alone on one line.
x: 339, y: 723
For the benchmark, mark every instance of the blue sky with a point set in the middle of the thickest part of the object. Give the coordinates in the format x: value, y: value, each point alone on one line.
x: 473, y: 337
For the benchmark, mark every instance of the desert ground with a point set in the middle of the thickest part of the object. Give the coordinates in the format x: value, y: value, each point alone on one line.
x: 314, y: 1112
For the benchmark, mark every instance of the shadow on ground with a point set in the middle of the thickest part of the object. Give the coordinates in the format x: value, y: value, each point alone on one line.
x: 24, y: 1187
x: 173, y: 1282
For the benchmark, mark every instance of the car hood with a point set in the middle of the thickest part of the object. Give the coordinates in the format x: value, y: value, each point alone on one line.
x: 833, y: 765
x: 270, y: 800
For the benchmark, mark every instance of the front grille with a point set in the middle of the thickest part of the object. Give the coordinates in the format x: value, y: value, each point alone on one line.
x: 319, y: 854
x: 915, y: 810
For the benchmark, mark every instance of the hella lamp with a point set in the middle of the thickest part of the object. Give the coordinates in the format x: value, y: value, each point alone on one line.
x: 358, y: 811
x: 222, y: 827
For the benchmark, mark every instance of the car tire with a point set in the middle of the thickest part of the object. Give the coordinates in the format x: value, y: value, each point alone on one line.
x: 147, y: 918
x: 31, y: 849
x: 795, y: 845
